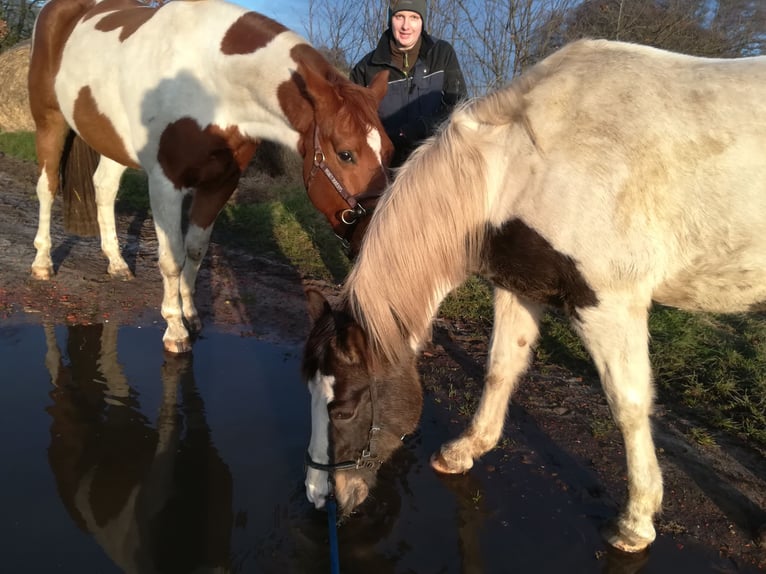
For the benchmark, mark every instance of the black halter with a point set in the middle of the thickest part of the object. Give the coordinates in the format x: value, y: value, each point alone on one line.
x: 367, y: 459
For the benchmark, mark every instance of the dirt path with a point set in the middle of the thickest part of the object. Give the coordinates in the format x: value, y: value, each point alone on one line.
x: 715, y: 495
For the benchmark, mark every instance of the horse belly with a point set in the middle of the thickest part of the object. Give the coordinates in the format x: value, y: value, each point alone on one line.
x: 720, y: 286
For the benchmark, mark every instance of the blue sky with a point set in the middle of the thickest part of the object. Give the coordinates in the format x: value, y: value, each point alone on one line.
x: 291, y: 13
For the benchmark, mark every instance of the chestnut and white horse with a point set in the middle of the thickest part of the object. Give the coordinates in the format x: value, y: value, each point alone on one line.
x: 608, y: 176
x: 185, y: 91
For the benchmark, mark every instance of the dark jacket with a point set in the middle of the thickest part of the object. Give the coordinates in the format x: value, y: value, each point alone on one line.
x: 414, y: 105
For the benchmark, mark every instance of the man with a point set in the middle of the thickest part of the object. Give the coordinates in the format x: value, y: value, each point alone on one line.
x: 425, y: 81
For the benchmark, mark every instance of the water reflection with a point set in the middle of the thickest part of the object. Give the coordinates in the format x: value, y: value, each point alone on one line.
x: 299, y: 541
x: 151, y: 490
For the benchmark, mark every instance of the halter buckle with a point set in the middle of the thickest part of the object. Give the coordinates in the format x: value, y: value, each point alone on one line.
x: 350, y: 216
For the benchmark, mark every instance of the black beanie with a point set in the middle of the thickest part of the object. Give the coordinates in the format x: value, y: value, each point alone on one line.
x: 418, y: 6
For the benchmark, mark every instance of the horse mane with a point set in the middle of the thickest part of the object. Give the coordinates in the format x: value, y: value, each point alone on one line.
x: 357, y: 105
x: 428, y: 230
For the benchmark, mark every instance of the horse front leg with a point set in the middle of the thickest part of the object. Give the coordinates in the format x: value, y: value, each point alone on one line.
x: 197, y: 241
x: 50, y: 137
x: 106, y: 181
x: 166, y: 202
x: 515, y: 332
x: 617, y: 337
x: 206, y: 204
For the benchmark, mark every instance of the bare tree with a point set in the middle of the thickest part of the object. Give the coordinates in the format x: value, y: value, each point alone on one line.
x: 677, y: 25
x: 19, y: 19
x: 343, y: 28
x: 496, y: 40
x: 743, y: 23
x: 496, y: 37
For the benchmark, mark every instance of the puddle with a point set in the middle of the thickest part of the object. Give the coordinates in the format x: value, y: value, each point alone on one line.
x: 119, y: 458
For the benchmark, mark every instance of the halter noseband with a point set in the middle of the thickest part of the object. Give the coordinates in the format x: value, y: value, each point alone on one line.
x: 367, y: 458
x: 351, y: 216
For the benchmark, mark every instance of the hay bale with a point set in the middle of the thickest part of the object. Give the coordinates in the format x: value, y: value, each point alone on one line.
x: 14, y: 97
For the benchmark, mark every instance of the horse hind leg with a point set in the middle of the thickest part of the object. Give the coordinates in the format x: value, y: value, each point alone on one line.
x: 50, y: 137
x: 617, y: 337
x: 515, y: 332
x: 106, y: 181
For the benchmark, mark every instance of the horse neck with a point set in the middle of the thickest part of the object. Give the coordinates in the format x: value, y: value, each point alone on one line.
x: 423, y: 241
x: 269, y: 102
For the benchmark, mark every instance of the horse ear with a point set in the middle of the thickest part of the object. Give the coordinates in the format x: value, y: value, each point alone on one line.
x: 319, y: 87
x: 379, y: 85
x: 353, y: 346
x: 317, y: 304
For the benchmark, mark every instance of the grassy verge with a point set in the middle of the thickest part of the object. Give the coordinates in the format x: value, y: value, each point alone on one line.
x: 713, y: 367
x: 18, y: 144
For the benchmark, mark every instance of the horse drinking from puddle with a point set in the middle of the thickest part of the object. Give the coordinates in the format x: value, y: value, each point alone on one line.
x: 608, y: 176
x: 185, y: 91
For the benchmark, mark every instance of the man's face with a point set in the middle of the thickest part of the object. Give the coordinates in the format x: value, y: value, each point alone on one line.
x: 407, y: 27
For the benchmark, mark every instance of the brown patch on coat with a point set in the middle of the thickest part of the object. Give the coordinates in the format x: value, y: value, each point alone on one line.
x: 521, y: 260
x: 97, y: 129
x: 128, y: 15
x: 209, y: 161
x: 54, y: 25
x: 251, y: 32
x: 107, y: 6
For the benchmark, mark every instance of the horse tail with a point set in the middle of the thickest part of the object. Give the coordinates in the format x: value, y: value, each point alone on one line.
x: 78, y: 164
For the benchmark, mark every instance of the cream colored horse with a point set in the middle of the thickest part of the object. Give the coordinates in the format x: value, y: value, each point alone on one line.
x: 607, y: 177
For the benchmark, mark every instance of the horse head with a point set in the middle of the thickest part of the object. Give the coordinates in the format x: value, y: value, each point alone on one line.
x: 361, y: 407
x: 346, y: 151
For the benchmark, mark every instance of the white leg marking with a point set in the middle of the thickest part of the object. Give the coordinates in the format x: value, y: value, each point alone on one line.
x: 321, y: 389
x: 106, y: 180
x: 617, y: 336
x: 166, y: 202
x: 42, y: 266
x: 515, y: 332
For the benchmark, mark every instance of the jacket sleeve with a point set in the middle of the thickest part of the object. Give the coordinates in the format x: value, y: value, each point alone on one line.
x: 453, y: 91
x: 357, y: 74
x: 454, y: 83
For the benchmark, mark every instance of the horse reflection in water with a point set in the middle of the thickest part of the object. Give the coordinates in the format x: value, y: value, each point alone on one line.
x: 155, y: 498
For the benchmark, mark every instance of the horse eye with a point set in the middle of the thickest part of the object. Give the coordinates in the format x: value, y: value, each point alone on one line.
x: 342, y: 415
x: 346, y: 156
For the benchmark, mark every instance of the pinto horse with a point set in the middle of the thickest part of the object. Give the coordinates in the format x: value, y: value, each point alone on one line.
x: 608, y: 176
x: 185, y: 91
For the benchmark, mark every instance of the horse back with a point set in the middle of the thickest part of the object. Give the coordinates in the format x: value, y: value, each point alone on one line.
x: 662, y: 153
x: 127, y: 71
x: 53, y: 27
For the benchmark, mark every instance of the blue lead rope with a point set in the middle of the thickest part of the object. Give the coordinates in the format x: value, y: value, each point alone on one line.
x: 333, y: 529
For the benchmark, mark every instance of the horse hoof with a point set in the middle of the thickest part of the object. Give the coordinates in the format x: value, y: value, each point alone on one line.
x: 625, y: 541
x: 440, y: 464
x: 194, y: 324
x: 122, y: 274
x: 178, y: 347
x: 42, y: 273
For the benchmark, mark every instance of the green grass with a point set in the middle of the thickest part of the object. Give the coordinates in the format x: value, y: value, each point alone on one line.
x: 18, y: 144
x: 712, y: 367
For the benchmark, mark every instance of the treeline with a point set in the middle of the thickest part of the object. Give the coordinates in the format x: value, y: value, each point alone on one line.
x: 497, y: 39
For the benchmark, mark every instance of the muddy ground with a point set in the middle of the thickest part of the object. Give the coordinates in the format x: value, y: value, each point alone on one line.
x: 714, y: 494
